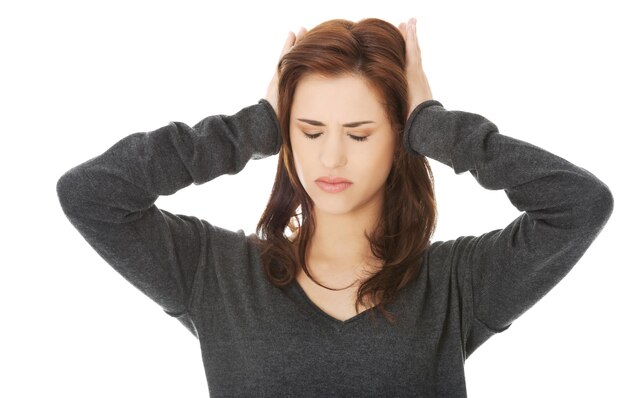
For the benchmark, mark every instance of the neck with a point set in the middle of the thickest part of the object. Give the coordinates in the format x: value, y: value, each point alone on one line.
x: 339, y: 244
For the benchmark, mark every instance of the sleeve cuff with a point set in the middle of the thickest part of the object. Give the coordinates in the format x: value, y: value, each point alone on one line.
x: 276, y: 123
x: 411, y: 120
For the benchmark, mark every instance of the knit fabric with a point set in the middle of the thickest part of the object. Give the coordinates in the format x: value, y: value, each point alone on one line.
x: 263, y: 341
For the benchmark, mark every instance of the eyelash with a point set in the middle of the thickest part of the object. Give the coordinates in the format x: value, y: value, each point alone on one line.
x: 354, y: 137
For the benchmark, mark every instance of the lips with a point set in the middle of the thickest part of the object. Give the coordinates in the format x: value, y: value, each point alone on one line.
x: 333, y: 184
x: 333, y: 180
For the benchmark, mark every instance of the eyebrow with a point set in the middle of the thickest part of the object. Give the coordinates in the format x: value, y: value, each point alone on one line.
x: 318, y: 123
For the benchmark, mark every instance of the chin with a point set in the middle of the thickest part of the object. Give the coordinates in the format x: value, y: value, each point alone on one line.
x: 326, y: 204
x: 331, y: 205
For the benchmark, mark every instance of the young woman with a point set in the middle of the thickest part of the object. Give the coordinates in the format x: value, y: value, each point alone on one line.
x: 346, y: 232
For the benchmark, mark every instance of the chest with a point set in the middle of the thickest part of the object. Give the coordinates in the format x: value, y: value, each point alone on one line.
x: 338, y: 304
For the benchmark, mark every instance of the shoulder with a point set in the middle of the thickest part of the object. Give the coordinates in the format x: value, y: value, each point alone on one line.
x: 446, y: 249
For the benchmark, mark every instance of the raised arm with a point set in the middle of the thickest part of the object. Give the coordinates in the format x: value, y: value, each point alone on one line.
x: 110, y: 199
x: 501, y: 274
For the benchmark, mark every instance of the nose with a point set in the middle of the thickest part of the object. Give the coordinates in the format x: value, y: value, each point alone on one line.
x: 333, y: 152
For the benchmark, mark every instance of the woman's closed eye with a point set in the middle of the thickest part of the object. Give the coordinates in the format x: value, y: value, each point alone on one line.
x: 354, y: 137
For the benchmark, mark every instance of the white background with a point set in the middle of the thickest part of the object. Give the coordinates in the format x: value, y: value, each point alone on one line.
x: 78, y: 76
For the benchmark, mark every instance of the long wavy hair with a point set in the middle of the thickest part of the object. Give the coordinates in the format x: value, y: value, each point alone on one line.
x: 373, y: 50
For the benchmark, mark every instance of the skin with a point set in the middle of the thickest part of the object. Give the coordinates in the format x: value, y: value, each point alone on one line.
x: 339, y: 246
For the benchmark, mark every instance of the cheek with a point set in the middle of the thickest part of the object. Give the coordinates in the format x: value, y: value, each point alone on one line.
x: 378, y: 157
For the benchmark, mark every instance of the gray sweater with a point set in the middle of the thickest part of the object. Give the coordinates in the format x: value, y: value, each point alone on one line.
x: 258, y: 340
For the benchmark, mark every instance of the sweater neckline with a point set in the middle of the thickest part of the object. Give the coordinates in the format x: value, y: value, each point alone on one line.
x: 325, y: 317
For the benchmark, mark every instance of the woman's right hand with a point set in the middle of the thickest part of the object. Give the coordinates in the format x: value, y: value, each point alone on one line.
x: 272, y: 90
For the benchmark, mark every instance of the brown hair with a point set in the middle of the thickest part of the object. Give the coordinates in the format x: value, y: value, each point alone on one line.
x: 373, y: 50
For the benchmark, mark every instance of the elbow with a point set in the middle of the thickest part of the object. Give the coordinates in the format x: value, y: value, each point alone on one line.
x: 601, y: 204
x: 588, y: 209
x: 69, y: 190
x: 586, y: 219
x: 64, y: 188
x: 592, y: 209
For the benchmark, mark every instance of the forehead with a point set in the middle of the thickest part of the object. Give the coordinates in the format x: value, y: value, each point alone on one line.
x: 340, y: 99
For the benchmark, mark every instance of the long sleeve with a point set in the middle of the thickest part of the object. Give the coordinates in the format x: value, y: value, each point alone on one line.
x: 502, y: 273
x: 110, y: 198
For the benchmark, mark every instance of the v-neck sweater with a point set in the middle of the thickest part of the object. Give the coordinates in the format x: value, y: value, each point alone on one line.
x: 260, y: 340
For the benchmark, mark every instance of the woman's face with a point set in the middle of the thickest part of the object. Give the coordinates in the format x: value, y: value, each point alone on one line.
x: 362, y: 154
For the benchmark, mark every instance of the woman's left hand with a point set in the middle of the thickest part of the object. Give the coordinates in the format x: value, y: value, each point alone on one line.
x: 419, y: 90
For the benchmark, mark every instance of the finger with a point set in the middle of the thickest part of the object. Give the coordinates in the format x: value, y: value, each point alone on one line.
x: 292, y: 39
x: 288, y: 43
x: 409, y: 42
x: 301, y: 33
x: 402, y: 28
x: 413, y: 50
x: 414, y: 33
